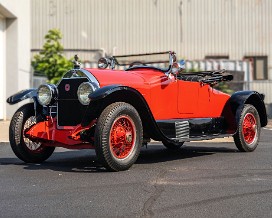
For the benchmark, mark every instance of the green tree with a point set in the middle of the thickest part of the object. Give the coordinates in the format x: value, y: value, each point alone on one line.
x: 224, y: 87
x: 50, y: 61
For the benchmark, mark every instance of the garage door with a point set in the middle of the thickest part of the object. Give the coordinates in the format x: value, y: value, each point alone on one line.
x: 2, y: 66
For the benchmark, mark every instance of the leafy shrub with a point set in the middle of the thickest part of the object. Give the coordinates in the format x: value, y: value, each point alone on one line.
x: 50, y: 61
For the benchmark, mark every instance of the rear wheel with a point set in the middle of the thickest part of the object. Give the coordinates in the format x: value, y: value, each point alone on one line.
x: 118, y: 136
x: 25, y: 149
x: 173, y: 146
x: 247, y: 136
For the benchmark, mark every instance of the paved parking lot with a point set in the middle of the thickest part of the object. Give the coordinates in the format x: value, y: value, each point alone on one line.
x: 200, y: 180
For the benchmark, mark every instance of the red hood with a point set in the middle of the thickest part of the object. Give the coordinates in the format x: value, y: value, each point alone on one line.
x: 133, y: 78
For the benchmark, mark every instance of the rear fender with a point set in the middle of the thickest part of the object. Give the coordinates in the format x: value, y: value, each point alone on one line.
x: 239, y: 99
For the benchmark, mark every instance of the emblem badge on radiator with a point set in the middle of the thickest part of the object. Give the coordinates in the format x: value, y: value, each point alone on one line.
x: 67, y: 87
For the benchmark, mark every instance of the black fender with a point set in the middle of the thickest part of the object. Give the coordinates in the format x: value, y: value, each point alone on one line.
x: 107, y: 95
x: 25, y: 94
x: 105, y: 91
x: 239, y: 99
x: 22, y: 95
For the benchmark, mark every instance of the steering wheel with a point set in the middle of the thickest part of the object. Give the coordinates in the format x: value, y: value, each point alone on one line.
x: 137, y: 63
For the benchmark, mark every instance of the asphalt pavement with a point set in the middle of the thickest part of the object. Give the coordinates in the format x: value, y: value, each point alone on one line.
x: 204, y: 179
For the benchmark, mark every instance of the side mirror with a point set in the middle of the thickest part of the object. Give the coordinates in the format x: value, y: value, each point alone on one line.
x: 103, y: 63
x: 172, y: 58
x: 178, y: 67
x: 182, y: 64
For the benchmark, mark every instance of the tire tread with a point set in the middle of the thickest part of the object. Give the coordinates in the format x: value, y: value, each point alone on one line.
x: 16, y: 140
x: 238, y: 138
x: 102, y: 133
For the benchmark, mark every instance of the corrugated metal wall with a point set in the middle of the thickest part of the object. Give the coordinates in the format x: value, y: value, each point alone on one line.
x: 118, y: 27
x: 227, y: 27
x: 245, y: 67
x: 192, y: 28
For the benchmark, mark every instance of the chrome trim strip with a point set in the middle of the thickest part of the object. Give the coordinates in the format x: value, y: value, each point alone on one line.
x: 86, y: 73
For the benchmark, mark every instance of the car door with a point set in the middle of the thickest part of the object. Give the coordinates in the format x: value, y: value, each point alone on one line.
x: 188, y: 94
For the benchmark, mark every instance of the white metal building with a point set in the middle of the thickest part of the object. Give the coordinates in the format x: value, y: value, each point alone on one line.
x: 195, y: 29
x: 14, y: 51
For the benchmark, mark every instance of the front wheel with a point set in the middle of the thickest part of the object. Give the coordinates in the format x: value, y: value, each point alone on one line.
x: 247, y: 135
x: 25, y: 149
x: 118, y: 136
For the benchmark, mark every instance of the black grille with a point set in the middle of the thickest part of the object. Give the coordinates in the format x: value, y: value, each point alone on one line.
x: 71, y: 92
x: 70, y: 110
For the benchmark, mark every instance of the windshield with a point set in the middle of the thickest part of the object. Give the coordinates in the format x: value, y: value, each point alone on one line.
x: 159, y: 60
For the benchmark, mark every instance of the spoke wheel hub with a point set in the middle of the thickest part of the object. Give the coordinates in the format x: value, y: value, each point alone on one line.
x: 30, y: 145
x: 249, y: 128
x: 122, y: 137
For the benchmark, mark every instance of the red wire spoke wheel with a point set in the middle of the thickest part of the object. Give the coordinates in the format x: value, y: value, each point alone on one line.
x: 122, y: 137
x: 249, y: 128
x: 247, y: 135
x: 35, y: 147
x: 118, y: 136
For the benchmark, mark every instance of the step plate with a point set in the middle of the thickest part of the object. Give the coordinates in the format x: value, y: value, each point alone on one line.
x: 182, y: 130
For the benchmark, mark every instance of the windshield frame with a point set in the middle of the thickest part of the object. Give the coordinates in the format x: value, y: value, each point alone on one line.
x: 114, y: 61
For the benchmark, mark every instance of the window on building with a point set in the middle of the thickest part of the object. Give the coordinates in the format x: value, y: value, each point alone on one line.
x: 217, y: 57
x: 260, y: 67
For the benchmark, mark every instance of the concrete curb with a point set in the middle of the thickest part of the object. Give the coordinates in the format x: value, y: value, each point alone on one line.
x: 4, y: 131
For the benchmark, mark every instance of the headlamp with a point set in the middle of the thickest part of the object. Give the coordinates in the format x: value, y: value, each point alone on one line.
x: 46, y: 94
x: 83, y: 92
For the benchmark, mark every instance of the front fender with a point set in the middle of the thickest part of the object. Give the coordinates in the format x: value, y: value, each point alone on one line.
x: 22, y: 95
x: 239, y: 99
x: 114, y: 93
x: 105, y: 91
x: 99, y: 100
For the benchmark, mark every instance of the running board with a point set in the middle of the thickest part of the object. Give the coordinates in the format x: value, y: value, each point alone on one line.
x: 201, y: 138
x: 192, y: 129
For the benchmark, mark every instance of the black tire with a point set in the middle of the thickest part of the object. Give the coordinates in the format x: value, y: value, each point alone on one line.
x: 247, y: 135
x: 118, y: 136
x: 23, y: 148
x: 172, y: 146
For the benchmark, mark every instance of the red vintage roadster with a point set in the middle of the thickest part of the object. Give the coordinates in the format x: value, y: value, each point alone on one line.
x: 116, y: 111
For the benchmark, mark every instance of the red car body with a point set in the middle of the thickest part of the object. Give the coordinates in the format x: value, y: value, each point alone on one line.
x: 167, y: 106
x: 167, y: 98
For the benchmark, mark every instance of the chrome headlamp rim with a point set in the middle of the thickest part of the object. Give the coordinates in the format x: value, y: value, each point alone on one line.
x: 85, y: 100
x: 52, y: 94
